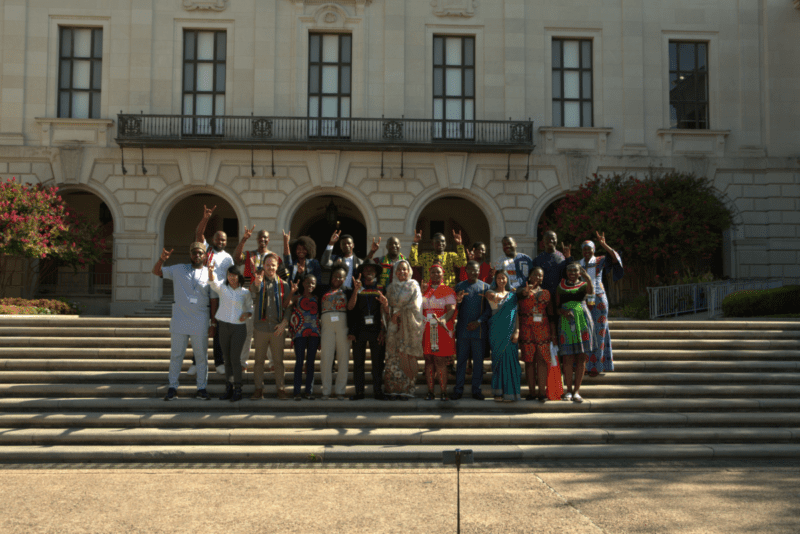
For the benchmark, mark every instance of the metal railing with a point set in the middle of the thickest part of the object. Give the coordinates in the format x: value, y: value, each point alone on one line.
x: 349, y: 133
x: 71, y: 283
x: 671, y: 301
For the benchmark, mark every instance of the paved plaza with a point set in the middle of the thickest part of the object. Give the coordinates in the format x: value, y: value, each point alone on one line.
x: 579, y: 497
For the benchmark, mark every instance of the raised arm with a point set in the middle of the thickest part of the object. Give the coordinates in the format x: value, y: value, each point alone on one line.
x: 413, y: 256
x: 238, y: 254
x: 199, y: 233
x: 160, y: 262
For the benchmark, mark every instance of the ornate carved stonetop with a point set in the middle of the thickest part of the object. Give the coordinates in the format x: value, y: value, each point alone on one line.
x: 211, y: 5
x: 320, y: 2
x: 454, y: 8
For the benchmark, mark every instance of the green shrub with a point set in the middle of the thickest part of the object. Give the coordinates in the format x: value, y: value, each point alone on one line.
x: 635, y: 308
x: 19, y: 306
x: 759, y: 302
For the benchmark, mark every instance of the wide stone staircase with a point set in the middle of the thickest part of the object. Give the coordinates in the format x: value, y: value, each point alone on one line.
x: 91, y: 389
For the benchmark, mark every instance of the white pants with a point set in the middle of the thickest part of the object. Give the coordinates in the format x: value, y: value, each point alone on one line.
x: 178, y: 353
x: 248, y: 342
x: 333, y: 340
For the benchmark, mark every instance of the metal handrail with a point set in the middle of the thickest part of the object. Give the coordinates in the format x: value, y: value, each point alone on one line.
x: 671, y: 301
x: 355, y: 133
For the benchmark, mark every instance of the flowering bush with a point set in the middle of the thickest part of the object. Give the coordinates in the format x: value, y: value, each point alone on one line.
x: 661, y: 225
x: 36, y: 224
x: 18, y: 306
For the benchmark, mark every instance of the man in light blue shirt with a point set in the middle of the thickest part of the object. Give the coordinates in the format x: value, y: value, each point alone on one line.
x: 190, y: 316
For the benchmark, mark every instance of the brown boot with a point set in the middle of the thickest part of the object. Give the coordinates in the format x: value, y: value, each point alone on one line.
x: 258, y: 394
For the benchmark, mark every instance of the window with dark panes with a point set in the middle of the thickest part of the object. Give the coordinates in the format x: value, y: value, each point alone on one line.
x: 329, y: 69
x: 453, y: 87
x: 80, y: 72
x: 688, y: 85
x: 203, y: 81
x: 572, y: 83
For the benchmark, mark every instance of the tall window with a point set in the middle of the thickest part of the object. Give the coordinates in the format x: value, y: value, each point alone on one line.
x: 572, y: 83
x: 203, y: 80
x: 688, y: 85
x: 80, y: 72
x: 453, y: 87
x: 329, y: 67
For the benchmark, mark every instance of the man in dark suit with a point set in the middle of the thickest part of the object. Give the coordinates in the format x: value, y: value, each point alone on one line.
x: 348, y: 258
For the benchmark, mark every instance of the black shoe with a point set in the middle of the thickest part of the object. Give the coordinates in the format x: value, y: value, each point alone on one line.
x: 444, y: 397
x: 542, y: 399
x: 455, y: 396
x: 391, y: 397
x: 228, y: 392
x: 237, y: 394
x: 478, y: 396
x: 202, y: 394
x: 530, y: 397
x: 172, y: 394
x: 357, y: 396
x: 430, y: 396
x: 380, y: 396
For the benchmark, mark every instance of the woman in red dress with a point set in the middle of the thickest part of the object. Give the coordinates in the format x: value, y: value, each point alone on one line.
x: 438, y: 343
x: 535, y: 332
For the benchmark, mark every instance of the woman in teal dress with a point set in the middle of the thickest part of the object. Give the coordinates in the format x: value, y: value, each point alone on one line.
x: 503, y: 337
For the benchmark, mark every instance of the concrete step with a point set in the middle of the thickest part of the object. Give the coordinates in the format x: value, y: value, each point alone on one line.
x: 161, y: 364
x: 704, y: 334
x: 186, y: 403
x: 702, y: 355
x: 216, y: 387
x: 622, y: 379
x: 471, y: 417
x: 381, y: 453
x: 723, y: 324
x: 465, y: 437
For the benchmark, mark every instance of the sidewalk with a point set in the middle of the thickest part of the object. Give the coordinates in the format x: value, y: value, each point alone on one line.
x: 550, y: 498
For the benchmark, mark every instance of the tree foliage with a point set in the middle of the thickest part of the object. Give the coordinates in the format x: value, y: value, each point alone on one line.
x: 661, y: 225
x: 35, y: 225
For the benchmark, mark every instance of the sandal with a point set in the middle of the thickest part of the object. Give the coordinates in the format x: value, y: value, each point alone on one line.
x: 577, y: 398
x: 430, y: 396
x: 566, y: 396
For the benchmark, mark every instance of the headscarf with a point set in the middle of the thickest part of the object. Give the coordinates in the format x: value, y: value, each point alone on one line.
x: 591, y: 265
x: 406, y: 298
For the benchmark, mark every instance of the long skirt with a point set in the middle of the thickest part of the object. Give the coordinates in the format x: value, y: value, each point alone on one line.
x: 601, y: 360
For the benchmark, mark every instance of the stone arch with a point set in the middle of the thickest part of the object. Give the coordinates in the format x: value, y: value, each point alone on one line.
x: 538, y: 210
x: 301, y: 195
x: 104, y: 194
x: 487, y: 205
x: 169, y: 197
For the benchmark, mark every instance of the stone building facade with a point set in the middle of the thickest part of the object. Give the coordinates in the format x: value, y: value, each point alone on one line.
x: 65, y: 84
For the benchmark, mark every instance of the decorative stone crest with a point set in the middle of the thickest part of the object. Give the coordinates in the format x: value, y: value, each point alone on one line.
x: 205, y: 5
x: 454, y: 8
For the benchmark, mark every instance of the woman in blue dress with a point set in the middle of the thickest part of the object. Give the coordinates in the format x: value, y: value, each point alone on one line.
x: 503, y: 338
x: 601, y: 360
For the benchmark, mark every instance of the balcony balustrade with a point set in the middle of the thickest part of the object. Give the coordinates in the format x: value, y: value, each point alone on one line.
x: 304, y: 133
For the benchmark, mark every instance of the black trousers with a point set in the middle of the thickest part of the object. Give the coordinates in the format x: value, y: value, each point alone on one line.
x: 377, y: 353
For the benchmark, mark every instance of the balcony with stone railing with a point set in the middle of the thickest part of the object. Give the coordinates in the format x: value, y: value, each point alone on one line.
x: 304, y: 133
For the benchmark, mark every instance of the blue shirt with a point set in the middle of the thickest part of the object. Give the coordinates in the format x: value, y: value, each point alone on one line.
x: 472, y: 308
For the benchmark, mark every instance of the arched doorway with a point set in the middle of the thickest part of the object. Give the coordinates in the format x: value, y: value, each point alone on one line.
x: 94, y: 280
x: 319, y: 216
x: 181, y: 223
x: 446, y: 214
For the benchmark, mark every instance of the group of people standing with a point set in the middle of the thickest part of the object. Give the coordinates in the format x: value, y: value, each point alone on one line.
x: 458, y: 311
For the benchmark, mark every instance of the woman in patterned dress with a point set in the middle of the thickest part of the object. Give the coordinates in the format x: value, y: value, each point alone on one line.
x: 535, y: 332
x: 439, y: 346
x: 576, y: 330
x: 503, y: 337
x: 402, y: 310
x: 602, y: 359
x: 304, y: 328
